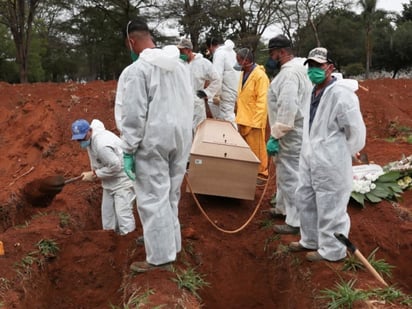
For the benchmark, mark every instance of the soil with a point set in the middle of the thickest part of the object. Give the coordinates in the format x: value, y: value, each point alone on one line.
x: 248, y: 269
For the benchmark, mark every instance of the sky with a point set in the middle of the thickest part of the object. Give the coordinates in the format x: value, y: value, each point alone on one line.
x: 391, y: 5
x: 388, y: 5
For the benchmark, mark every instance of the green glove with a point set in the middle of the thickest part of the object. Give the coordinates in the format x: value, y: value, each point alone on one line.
x: 129, y: 167
x: 272, y: 146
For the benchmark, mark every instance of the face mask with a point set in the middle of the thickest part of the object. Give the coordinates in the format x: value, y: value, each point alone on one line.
x: 237, y: 67
x: 316, y: 75
x: 85, y: 144
x: 272, y: 64
x: 133, y: 55
x: 184, y: 57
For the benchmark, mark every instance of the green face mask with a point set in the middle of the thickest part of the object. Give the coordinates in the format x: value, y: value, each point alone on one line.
x: 134, y: 56
x: 316, y: 75
x: 184, y: 57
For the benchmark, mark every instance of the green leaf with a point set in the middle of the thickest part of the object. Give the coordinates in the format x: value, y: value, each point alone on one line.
x: 372, y: 197
x: 396, y: 188
x: 381, y: 191
x: 358, y: 197
x: 391, y: 176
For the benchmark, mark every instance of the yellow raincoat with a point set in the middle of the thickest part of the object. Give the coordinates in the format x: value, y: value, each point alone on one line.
x: 251, y: 115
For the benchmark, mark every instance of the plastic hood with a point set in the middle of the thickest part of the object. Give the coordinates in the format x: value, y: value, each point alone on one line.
x: 348, y: 83
x: 97, y: 125
x: 229, y: 44
x: 166, y: 58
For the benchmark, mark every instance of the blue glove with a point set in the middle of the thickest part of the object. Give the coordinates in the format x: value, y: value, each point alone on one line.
x: 129, y: 167
x: 272, y: 146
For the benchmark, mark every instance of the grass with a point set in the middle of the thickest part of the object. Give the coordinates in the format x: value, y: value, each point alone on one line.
x: 48, y: 248
x: 189, y: 279
x: 345, y: 295
x: 23, y: 268
x: 353, y: 264
x: 137, y: 300
x: 65, y: 219
x: 266, y: 224
x: 270, y: 240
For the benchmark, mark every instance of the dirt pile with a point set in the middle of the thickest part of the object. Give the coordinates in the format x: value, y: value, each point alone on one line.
x: 248, y: 269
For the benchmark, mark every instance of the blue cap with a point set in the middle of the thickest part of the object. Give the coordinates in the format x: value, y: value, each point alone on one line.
x: 79, y: 129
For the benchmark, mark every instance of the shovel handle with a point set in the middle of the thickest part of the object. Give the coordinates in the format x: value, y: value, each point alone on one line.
x: 73, y: 179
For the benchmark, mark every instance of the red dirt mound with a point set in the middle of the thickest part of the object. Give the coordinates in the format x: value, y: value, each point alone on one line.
x: 248, y: 269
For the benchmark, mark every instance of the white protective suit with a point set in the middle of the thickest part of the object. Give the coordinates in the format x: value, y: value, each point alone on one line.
x: 119, y: 99
x: 288, y: 97
x: 202, y: 70
x: 325, y: 171
x: 157, y: 128
x: 224, y: 58
x: 106, y: 159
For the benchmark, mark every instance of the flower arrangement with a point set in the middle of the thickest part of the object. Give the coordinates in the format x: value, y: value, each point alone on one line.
x: 373, y: 183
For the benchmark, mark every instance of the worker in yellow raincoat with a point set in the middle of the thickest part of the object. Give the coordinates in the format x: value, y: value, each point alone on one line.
x: 251, y: 116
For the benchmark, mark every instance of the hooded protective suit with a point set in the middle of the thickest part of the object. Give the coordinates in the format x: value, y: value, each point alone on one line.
x: 224, y: 58
x: 119, y: 99
x: 157, y: 128
x: 202, y: 71
x: 288, y: 97
x: 325, y: 172
x: 106, y: 160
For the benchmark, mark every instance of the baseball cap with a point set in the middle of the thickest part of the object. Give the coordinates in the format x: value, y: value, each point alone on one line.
x: 319, y: 55
x: 185, y: 43
x: 279, y: 41
x: 79, y: 129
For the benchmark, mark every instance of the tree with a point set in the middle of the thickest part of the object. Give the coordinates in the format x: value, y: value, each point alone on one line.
x: 18, y: 16
x: 369, y: 16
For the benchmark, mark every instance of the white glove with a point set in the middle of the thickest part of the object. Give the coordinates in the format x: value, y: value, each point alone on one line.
x: 88, y: 176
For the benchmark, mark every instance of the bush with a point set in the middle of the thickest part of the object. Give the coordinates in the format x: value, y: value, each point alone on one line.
x: 353, y: 69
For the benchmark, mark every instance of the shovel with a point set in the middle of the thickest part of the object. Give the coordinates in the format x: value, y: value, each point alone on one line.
x: 40, y: 192
x: 360, y: 256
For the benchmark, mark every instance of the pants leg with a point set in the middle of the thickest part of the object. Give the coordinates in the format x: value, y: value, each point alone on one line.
x: 124, y: 199
x: 306, y: 201
x: 255, y: 138
x: 109, y: 221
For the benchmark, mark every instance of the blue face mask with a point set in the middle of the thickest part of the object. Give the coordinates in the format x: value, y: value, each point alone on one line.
x: 272, y: 64
x: 85, y: 144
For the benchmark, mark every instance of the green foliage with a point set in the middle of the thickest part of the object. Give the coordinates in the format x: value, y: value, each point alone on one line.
x: 381, y: 266
x: 351, y: 263
x: 48, y: 248
x: 344, y: 295
x: 189, y: 279
x: 65, y: 219
x: 354, y: 69
x: 136, y: 300
x: 386, y: 188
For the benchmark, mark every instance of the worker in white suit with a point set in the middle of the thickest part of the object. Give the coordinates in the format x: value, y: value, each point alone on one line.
x: 106, y: 160
x: 224, y: 61
x: 333, y: 132
x: 288, y: 97
x: 157, y: 115
x: 202, y: 72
